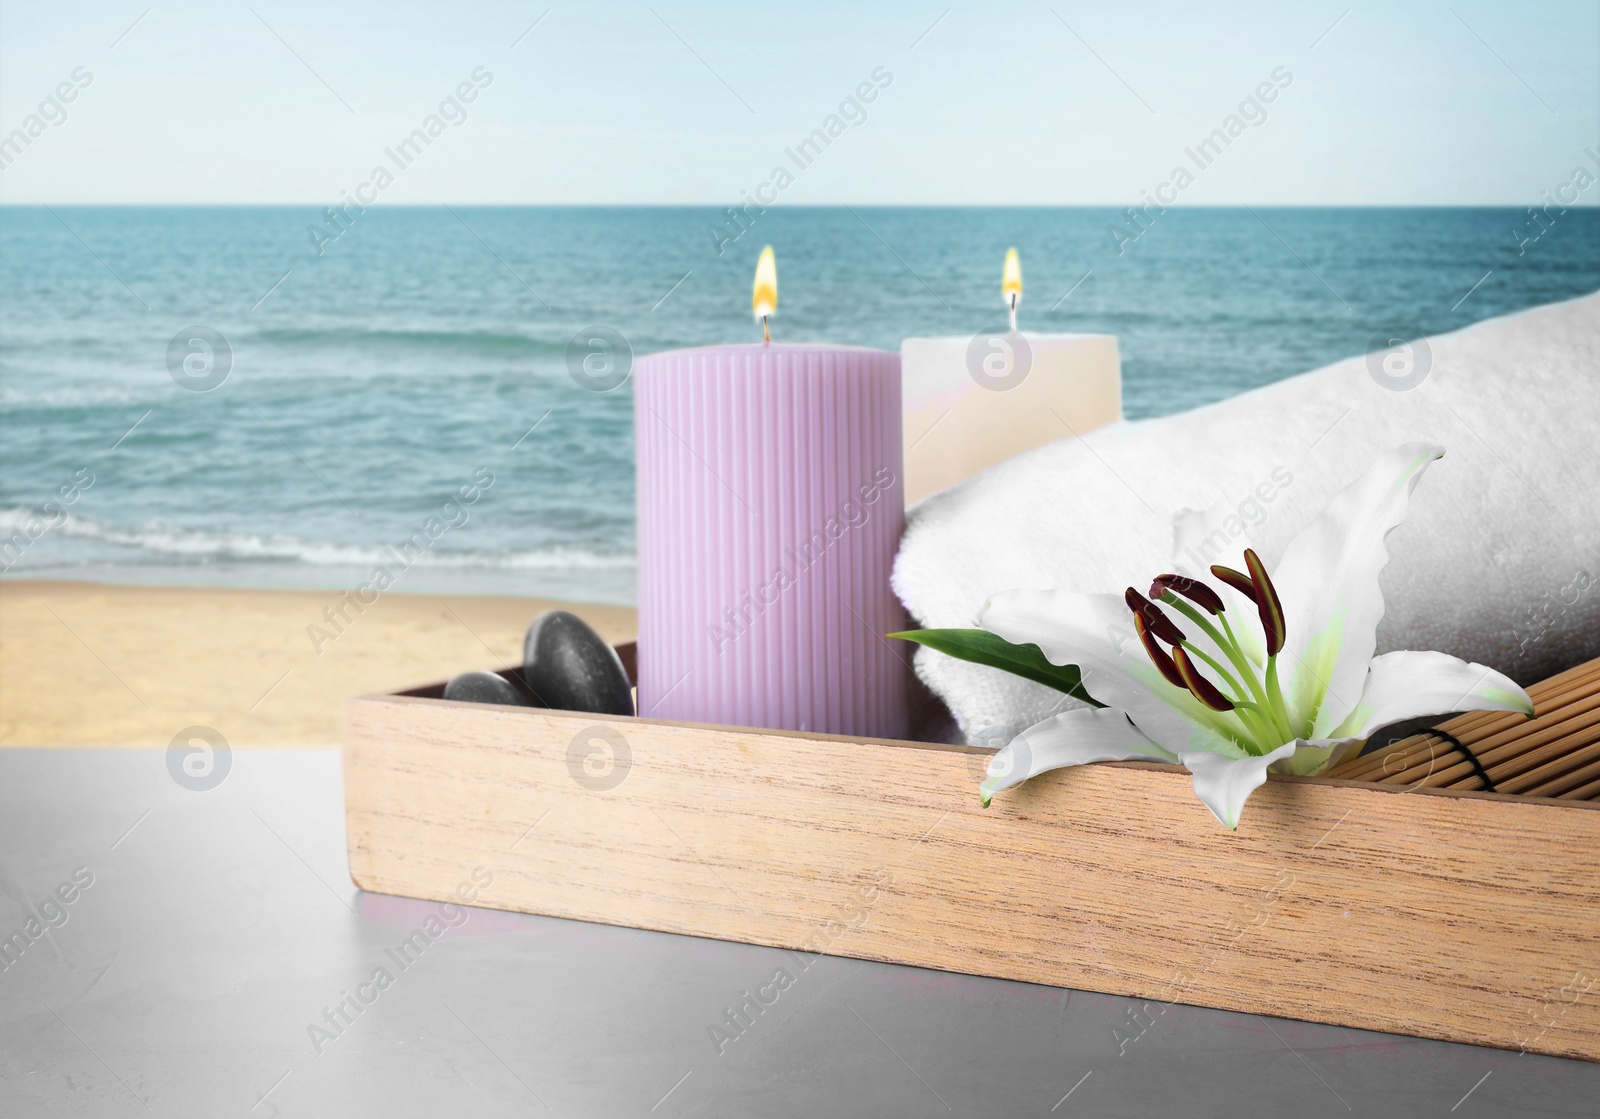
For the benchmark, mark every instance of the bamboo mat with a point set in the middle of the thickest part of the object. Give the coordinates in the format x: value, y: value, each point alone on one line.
x: 1554, y: 754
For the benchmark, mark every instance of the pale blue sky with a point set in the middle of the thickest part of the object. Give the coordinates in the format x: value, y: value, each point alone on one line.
x: 1025, y: 103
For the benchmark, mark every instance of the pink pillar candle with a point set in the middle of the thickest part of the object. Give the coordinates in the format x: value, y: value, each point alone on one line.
x: 770, y: 509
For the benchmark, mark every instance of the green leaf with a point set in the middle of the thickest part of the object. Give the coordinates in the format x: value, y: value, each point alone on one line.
x: 982, y: 647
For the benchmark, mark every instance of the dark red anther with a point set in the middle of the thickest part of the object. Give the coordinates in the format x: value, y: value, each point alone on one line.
x: 1157, y: 654
x: 1267, y: 603
x: 1192, y: 589
x: 1154, y: 617
x: 1238, y: 580
x: 1201, y: 688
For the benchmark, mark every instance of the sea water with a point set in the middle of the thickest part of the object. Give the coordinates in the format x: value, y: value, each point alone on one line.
x: 364, y: 370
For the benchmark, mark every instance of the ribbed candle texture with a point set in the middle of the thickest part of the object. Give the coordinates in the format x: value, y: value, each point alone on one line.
x: 770, y: 509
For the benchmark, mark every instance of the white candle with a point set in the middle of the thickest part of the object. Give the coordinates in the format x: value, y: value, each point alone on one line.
x: 976, y: 400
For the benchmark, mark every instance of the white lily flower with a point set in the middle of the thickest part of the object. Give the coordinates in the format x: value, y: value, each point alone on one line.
x: 1262, y: 672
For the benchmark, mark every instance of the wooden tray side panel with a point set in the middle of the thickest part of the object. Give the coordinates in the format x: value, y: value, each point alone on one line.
x: 1458, y: 916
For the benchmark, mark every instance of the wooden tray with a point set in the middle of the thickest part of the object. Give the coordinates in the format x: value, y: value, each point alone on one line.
x: 1459, y: 915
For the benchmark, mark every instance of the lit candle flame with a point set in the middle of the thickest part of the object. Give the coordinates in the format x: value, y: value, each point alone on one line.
x: 764, y: 299
x: 1011, y: 285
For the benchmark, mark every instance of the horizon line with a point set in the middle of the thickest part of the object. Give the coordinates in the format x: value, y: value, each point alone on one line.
x: 1578, y: 205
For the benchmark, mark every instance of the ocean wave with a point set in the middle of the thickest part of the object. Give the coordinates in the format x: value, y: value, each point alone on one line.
x: 39, y: 390
x: 473, y: 341
x: 200, y: 546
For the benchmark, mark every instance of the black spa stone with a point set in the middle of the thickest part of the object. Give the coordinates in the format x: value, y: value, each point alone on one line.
x: 569, y: 667
x: 486, y: 687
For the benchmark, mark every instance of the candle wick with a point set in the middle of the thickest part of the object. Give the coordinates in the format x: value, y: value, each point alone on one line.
x: 766, y: 332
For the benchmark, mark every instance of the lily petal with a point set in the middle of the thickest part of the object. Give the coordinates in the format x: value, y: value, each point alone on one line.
x: 1224, y: 784
x: 1075, y: 737
x: 1405, y: 685
x: 1201, y: 538
x: 1095, y: 632
x: 1328, y: 581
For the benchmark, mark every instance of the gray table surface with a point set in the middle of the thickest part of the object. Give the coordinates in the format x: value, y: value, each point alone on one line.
x: 221, y: 926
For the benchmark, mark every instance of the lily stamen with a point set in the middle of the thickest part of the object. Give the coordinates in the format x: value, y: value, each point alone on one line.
x: 1270, y: 721
x: 1201, y: 688
x: 1266, y: 596
x: 1154, y: 617
x: 1238, y: 580
x: 1257, y: 724
x: 1229, y: 647
x: 1238, y: 689
x: 1192, y: 589
x: 1158, y: 655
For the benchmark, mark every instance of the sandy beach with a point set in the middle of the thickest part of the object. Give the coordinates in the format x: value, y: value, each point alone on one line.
x: 99, y: 664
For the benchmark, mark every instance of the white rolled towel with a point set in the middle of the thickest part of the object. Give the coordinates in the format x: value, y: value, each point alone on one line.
x: 1498, y: 560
